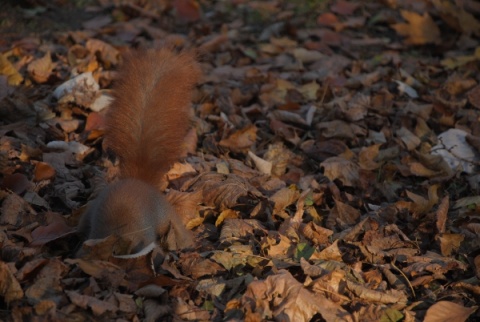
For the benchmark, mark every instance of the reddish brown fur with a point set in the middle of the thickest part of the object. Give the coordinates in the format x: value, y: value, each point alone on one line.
x: 148, y: 120
x: 146, y: 126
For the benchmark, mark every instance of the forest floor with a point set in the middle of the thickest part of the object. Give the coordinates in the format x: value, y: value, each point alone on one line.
x: 331, y: 174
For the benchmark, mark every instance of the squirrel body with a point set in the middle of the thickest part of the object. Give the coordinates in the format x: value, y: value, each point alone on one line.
x: 145, y: 127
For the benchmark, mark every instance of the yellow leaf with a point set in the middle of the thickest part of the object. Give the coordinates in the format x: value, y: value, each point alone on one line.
x: 6, y: 68
x: 420, y: 29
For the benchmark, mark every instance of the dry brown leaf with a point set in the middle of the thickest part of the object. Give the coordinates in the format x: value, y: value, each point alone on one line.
x: 327, y: 19
x: 185, y: 203
x: 107, y: 53
x: 316, y: 234
x: 282, y: 199
x: 41, y: 68
x: 229, y: 260
x: 343, y: 214
x: 418, y: 169
x: 281, y: 297
x: 336, y: 129
x: 332, y: 252
x: 410, y: 140
x: 44, y: 287
x: 30, y: 268
x: 242, y: 140
x: 279, y: 156
x: 474, y: 96
x: 214, y: 43
x: 45, y: 234
x: 457, y: 17
x: 16, y: 211
x: 356, y: 108
x: 189, y: 312
x: 419, y: 30
x: 196, y: 266
x: 433, y: 263
x: 346, y: 171
x: 420, y: 204
x: 444, y: 311
x: 442, y: 213
x: 43, y: 171
x: 262, y: 165
x: 344, y: 8
x: 97, y: 306
x: 477, y: 266
x: 332, y: 286
x: 187, y: 10
x: 276, y: 93
x: 366, y: 157
x: 307, y: 56
x: 10, y: 288
x: 226, y: 214
x: 277, y: 246
x: 289, y: 117
x: 312, y: 270
x: 95, y: 121
x: 320, y: 151
x: 16, y: 182
x: 398, y: 298
x: 6, y: 68
x: 449, y: 243
x: 235, y: 229
x: 109, y: 272
x: 221, y: 191
x: 289, y: 133
x: 309, y: 91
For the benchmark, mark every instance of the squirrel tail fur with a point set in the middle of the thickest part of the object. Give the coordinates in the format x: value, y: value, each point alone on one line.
x: 149, y: 116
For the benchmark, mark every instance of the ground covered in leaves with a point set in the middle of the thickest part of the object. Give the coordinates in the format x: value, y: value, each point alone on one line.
x: 332, y: 167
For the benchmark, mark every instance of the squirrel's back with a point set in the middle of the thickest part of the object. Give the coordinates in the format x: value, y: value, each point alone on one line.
x: 149, y: 117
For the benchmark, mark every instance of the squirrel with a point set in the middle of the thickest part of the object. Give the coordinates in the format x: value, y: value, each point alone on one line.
x: 146, y: 125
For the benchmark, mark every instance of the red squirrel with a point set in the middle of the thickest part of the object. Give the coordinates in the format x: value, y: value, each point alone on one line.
x: 145, y: 127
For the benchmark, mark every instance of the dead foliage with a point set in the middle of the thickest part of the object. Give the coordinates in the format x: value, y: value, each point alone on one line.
x: 331, y: 173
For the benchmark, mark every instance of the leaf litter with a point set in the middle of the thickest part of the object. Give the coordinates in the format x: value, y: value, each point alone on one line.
x: 331, y: 173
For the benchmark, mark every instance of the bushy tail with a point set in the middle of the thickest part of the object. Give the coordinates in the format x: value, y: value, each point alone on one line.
x: 149, y: 117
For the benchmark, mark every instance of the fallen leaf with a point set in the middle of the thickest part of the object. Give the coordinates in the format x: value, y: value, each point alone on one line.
x: 43, y: 171
x: 420, y: 29
x: 6, y: 68
x: 41, y: 68
x: 281, y: 296
x: 10, y: 288
x: 344, y: 170
x: 188, y: 10
x: 242, y: 140
x: 444, y: 311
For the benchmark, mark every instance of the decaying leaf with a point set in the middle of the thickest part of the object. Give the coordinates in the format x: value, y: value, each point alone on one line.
x: 7, y: 69
x: 420, y: 29
x: 241, y: 140
x: 347, y: 171
x: 448, y: 311
x: 221, y: 190
x: 317, y: 175
x: 10, y: 288
x: 197, y: 266
x: 41, y: 68
x: 281, y: 296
